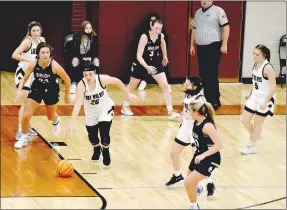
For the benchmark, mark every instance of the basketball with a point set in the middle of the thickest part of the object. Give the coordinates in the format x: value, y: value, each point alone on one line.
x: 64, y: 169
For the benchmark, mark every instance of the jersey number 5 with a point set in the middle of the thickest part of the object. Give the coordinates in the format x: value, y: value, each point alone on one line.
x: 256, y: 86
x: 95, y: 102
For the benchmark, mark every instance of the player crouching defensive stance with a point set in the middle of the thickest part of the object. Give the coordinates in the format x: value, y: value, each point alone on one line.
x: 98, y: 108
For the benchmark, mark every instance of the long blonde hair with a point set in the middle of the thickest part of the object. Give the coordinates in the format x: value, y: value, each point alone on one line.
x: 204, y: 109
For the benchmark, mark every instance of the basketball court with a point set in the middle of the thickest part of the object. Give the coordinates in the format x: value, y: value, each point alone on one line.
x: 141, y: 164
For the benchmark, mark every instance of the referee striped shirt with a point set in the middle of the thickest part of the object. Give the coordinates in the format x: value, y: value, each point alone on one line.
x: 208, y: 25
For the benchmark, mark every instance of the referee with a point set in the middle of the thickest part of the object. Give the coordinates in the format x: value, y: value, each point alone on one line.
x: 210, y: 33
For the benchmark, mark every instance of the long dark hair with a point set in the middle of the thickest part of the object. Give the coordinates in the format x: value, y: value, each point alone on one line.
x: 265, y: 50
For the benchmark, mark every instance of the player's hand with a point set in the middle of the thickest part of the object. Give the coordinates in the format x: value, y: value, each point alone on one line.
x: 151, y: 70
x: 164, y: 61
x: 223, y: 49
x: 19, y: 96
x: 199, y: 158
x: 263, y: 106
x: 192, y: 50
x: 132, y: 96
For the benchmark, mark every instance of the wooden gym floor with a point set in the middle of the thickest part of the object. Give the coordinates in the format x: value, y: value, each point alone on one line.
x: 141, y: 164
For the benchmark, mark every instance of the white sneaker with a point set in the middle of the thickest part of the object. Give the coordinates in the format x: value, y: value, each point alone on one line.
x: 56, y: 129
x: 142, y: 85
x: 169, y: 87
x: 31, y: 133
x: 73, y: 88
x: 127, y: 111
x: 22, y: 142
x: 249, y: 149
x: 172, y: 115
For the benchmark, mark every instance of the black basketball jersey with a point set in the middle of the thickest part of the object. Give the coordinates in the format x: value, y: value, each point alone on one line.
x: 152, y: 51
x: 45, y: 78
x: 202, y: 141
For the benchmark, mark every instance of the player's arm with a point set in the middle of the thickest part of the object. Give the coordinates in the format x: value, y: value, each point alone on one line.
x: 28, y: 72
x: 108, y: 80
x: 79, y: 101
x: 140, y: 50
x: 25, y: 45
x: 57, y: 69
x: 163, y: 46
x: 210, y: 130
x: 269, y: 72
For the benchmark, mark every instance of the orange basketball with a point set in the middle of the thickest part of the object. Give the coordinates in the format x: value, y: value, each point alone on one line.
x: 64, y: 168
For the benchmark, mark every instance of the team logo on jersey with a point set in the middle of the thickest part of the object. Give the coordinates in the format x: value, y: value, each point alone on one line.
x: 95, y: 96
x: 153, y: 48
x: 256, y: 78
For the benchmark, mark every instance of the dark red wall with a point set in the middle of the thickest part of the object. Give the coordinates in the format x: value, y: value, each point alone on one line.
x: 55, y: 18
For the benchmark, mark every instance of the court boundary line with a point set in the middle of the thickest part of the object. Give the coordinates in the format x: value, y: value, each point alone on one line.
x: 104, y: 202
x: 263, y: 203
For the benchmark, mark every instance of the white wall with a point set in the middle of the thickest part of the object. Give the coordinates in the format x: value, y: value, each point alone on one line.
x: 265, y: 23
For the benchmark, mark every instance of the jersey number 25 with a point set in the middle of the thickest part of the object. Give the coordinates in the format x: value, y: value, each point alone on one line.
x: 95, y: 102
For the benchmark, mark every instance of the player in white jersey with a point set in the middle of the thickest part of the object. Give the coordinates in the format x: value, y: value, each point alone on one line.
x: 25, y: 53
x: 99, y: 110
x: 193, y: 93
x: 261, y: 101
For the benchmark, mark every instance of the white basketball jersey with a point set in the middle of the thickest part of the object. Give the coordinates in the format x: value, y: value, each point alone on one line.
x: 260, y: 84
x: 96, y: 101
x: 186, y: 103
x: 30, y: 53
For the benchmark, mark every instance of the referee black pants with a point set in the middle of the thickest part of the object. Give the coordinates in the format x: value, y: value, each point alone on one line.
x: 208, y: 61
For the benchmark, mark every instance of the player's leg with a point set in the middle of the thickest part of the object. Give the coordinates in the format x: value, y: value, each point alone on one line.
x: 95, y: 141
x: 51, y: 98
x: 18, y: 76
x: 181, y: 141
x: 137, y: 74
x: 162, y: 82
x: 30, y: 107
x: 105, y: 123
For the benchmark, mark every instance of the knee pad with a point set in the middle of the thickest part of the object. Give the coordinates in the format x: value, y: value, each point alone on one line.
x: 94, y: 139
x: 93, y: 135
x: 105, y: 141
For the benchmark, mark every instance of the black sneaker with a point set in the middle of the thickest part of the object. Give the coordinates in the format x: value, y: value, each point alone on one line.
x: 216, y: 105
x: 175, y: 179
x: 106, y: 157
x: 97, y: 153
x: 210, y: 190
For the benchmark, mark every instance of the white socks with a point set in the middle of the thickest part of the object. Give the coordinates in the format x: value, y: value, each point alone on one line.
x: 126, y: 103
x: 169, y: 108
x: 177, y: 173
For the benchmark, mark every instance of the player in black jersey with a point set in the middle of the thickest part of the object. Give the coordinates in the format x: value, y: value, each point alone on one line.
x: 207, y: 155
x: 149, y: 61
x: 145, y: 26
x: 45, y: 87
